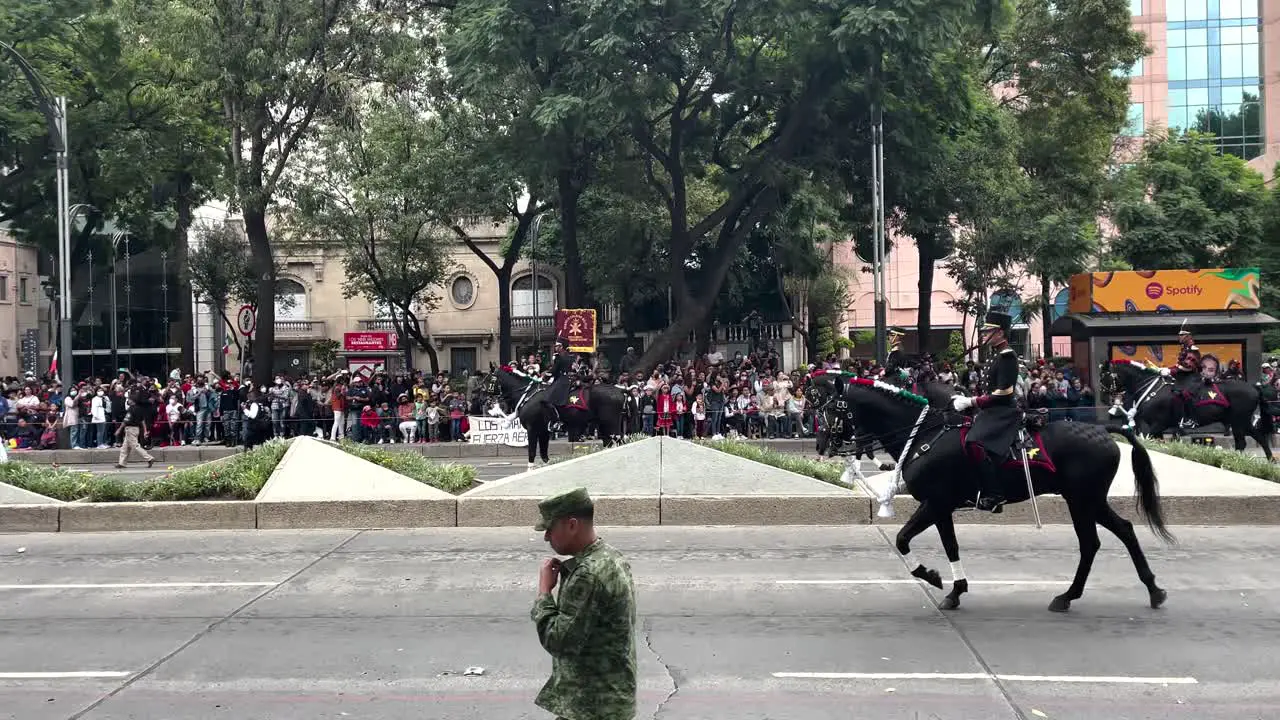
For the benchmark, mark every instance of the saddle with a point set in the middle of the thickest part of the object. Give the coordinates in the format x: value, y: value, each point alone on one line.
x: 1033, y: 421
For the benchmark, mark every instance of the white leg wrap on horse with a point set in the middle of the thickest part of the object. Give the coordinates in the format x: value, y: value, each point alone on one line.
x: 957, y: 571
x: 910, y: 560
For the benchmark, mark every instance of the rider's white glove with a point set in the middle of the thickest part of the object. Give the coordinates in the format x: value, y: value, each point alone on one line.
x: 961, y: 403
x: 1165, y: 372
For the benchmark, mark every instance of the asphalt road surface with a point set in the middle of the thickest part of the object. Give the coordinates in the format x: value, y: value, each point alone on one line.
x: 785, y: 623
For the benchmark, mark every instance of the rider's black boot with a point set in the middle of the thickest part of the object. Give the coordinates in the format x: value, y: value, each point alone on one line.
x: 990, y: 498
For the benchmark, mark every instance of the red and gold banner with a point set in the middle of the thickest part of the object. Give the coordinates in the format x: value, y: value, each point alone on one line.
x: 1165, y: 291
x: 579, y: 328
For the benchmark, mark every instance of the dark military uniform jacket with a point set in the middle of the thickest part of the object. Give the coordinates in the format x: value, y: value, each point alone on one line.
x: 590, y: 633
x: 996, y: 426
x: 561, y: 370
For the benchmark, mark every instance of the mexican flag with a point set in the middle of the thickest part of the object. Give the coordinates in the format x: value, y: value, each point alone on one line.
x: 226, y: 344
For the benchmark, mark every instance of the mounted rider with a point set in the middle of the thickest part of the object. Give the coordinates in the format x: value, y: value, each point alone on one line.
x: 1187, y: 376
x: 996, y: 427
x: 895, y: 361
x: 562, y: 363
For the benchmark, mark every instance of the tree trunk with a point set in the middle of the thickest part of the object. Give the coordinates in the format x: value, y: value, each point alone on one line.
x: 263, y: 267
x: 575, y: 287
x: 504, y: 312
x: 664, y: 347
x: 1046, y: 313
x: 924, y: 313
x: 185, y: 322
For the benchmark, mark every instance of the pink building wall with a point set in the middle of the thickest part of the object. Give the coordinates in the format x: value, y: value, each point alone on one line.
x: 902, y: 277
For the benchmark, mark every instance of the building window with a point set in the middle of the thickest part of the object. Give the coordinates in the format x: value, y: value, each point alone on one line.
x: 462, y: 291
x: 4, y: 288
x: 291, y: 300
x: 1060, y: 302
x: 1214, y: 72
x: 1136, y: 124
x: 22, y: 290
x: 1008, y: 302
x: 522, y: 297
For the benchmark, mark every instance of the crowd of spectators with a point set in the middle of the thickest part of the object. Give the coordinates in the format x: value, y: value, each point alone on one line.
x: 713, y: 395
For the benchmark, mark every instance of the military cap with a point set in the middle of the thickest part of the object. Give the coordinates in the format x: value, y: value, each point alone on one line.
x: 561, y: 506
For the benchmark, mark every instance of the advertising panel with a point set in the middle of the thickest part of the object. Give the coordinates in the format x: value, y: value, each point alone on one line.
x: 1165, y: 291
x: 1166, y: 354
x: 579, y: 328
x: 369, y: 341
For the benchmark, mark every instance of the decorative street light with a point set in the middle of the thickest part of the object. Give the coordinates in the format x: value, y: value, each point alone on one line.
x: 54, y: 110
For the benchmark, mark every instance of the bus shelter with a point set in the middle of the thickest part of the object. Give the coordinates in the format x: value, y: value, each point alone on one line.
x: 1137, y: 315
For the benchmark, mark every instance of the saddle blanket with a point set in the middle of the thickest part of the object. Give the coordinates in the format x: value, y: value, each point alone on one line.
x: 1037, y: 455
x: 577, y: 399
x: 1210, y: 395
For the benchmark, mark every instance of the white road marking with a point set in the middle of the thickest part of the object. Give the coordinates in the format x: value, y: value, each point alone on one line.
x: 1101, y: 679
x: 913, y: 581
x: 132, y: 586
x: 62, y: 675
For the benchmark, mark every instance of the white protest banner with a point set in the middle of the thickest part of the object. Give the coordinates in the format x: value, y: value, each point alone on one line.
x: 496, y: 431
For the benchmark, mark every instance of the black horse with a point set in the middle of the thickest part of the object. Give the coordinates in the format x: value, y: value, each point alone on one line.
x: 1231, y: 403
x: 530, y: 398
x: 1075, y: 460
x: 835, y: 432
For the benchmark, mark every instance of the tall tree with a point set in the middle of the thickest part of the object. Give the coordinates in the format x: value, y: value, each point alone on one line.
x: 741, y: 94
x: 360, y: 190
x: 277, y: 66
x: 540, y: 57
x: 1058, y: 70
x: 217, y: 269
x: 1184, y: 204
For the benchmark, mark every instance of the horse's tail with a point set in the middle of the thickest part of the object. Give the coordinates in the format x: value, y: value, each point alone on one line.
x: 1145, y: 484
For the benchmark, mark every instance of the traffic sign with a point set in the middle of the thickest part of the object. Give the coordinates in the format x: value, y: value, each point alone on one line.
x: 246, y: 320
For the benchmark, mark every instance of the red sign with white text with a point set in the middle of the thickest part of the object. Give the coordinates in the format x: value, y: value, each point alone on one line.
x: 369, y: 341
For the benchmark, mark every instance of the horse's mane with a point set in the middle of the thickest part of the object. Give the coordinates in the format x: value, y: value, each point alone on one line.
x: 829, y: 373
x: 893, y: 391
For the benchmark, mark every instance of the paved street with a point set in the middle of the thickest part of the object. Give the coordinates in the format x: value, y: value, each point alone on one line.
x: 738, y: 624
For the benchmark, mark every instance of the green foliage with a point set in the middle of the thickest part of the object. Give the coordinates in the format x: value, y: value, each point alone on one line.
x: 954, y: 353
x: 825, y: 343
x: 324, y: 355
x: 1219, y: 457
x: 824, y: 470
x: 450, y: 477
x: 238, y: 477
x: 1185, y: 205
x: 364, y: 192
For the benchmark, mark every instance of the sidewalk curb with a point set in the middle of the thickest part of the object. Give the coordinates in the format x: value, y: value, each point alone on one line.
x: 638, y: 510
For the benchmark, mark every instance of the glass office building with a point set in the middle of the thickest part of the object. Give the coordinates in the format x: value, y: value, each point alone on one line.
x: 1207, y: 70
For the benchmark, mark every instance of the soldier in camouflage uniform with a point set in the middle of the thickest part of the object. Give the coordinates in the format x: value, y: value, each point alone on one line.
x: 589, y: 630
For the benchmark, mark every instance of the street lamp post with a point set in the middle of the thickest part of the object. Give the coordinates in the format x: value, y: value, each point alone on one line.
x: 537, y: 285
x: 55, y: 115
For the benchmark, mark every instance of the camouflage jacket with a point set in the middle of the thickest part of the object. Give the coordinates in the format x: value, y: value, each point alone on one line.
x: 590, y: 633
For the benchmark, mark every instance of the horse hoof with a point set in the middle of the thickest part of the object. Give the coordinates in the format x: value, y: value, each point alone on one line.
x: 930, y: 576
x: 1158, y: 596
x: 886, y: 467
x: 1060, y: 605
x: 949, y: 603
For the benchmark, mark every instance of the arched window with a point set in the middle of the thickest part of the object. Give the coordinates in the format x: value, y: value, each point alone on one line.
x: 291, y: 300
x: 1008, y: 302
x: 1060, y: 304
x: 522, y: 297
